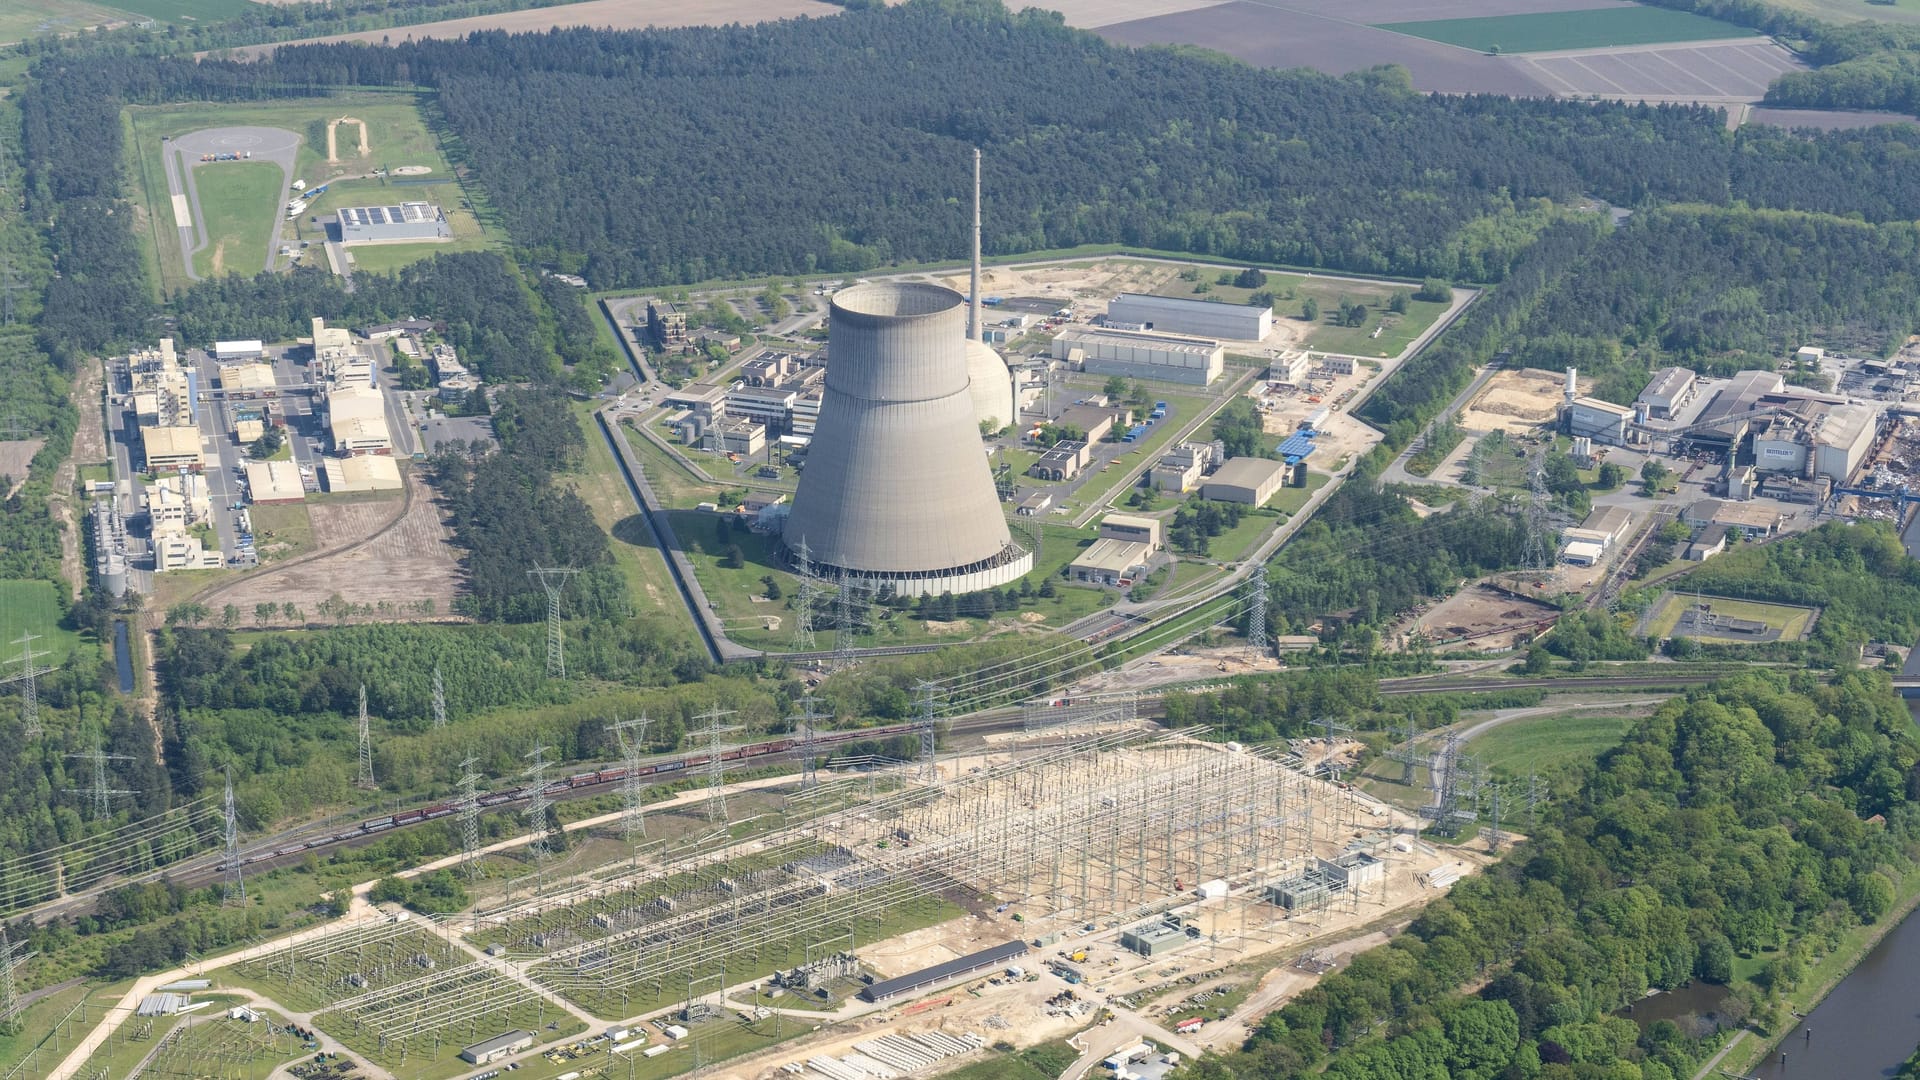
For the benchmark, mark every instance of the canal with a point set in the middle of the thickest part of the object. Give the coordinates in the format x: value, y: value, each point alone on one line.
x: 123, y: 656
x: 1867, y: 1026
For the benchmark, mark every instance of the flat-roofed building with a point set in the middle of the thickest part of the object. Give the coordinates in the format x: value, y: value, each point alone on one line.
x: 1154, y: 939
x: 1172, y: 314
x: 357, y: 421
x: 275, y: 482
x: 768, y: 405
x: 1289, y: 367
x: 1181, y: 467
x: 172, y: 449
x: 1755, y: 521
x: 238, y: 350
x: 1138, y: 354
x: 702, y: 399
x: 1062, y: 461
x: 666, y: 325
x: 739, y: 436
x: 1246, y: 480
x: 1667, y: 392
x: 409, y: 221
x: 1034, y: 503
x: 178, y: 501
x: 176, y: 549
x: 1601, y: 421
x: 1094, y: 422
x: 500, y: 1046
x: 1842, y: 440
x: 1133, y: 528
x: 1111, y: 562
x: 366, y: 472
x: 248, y: 382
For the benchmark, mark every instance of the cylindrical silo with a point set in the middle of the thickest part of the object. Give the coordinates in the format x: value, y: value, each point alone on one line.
x: 897, y: 487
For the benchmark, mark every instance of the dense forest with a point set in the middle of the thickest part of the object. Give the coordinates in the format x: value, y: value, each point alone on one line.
x: 1728, y: 833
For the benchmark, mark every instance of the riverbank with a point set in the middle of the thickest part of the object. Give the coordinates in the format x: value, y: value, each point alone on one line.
x: 1822, y: 978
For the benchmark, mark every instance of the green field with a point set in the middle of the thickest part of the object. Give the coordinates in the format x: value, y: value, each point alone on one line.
x: 1552, y: 31
x: 27, y: 18
x: 1536, y: 745
x: 1791, y: 621
x: 239, y: 209
x: 397, y: 135
x: 1398, y: 330
x: 33, y: 607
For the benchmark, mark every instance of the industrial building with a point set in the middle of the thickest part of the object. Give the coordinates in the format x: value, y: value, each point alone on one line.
x: 109, y: 547
x: 1034, y: 503
x: 1094, y: 422
x: 1601, y: 421
x: 1155, y: 938
x: 357, y: 421
x: 1602, y: 530
x: 177, y: 501
x: 366, y: 472
x: 1289, y: 367
x: 1711, y: 541
x: 274, y: 482
x: 1062, y: 461
x: 1207, y: 318
x: 158, y: 390
x: 1246, y: 480
x: 1754, y: 521
x: 391, y: 224
x: 498, y: 1047
x: 897, y: 489
x: 1667, y: 392
x: 1324, y: 878
x: 1121, y: 553
x: 743, y: 437
x: 227, y: 351
x: 1818, y: 439
x: 1181, y: 468
x: 927, y: 978
x: 248, y: 382
x: 1141, y: 355
x: 1134, y: 530
x: 172, y: 449
x: 666, y: 325
x: 702, y: 399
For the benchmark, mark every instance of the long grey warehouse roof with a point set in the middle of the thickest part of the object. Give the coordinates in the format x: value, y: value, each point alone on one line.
x: 939, y: 973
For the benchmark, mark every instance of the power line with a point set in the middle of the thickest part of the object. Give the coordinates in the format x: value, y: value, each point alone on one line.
x: 929, y: 735
x: 10, y: 961
x: 1257, y: 613
x: 716, y: 789
x: 845, y: 622
x: 554, y: 581
x: 364, y: 780
x: 809, y: 743
x: 537, y: 802
x: 98, y: 791
x: 439, y: 699
x: 805, y: 600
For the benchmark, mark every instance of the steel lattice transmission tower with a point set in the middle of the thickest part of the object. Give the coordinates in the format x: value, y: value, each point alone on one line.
x: 633, y: 746
x: 470, y: 817
x: 10, y: 961
x: 235, y: 889
x: 845, y: 623
x: 1536, y: 794
x: 716, y: 768
x: 1257, y: 613
x: 809, y: 743
x: 927, y: 710
x: 805, y: 600
x: 1537, y: 559
x: 29, y: 680
x: 439, y: 699
x: 537, y: 802
x: 554, y: 581
x: 364, y: 780
x: 98, y: 792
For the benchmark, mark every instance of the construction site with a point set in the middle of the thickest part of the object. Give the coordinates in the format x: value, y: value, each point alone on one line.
x: 900, y: 912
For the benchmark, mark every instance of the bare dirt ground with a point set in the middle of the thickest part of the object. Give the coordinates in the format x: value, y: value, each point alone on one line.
x: 404, y: 566
x: 1481, y: 617
x: 1714, y: 71
x: 607, y: 14
x: 1517, y: 401
x: 15, y: 456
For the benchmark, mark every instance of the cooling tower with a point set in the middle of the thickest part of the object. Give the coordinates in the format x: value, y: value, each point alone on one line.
x: 897, y: 488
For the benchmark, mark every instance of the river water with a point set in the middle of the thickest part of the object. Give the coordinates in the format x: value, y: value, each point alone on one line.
x: 1867, y: 1026
x: 122, y: 656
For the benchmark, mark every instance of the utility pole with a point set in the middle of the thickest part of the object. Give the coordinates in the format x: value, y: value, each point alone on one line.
x: 716, y: 771
x: 554, y: 581
x: 805, y: 600
x: 29, y: 680
x: 235, y: 890
x: 844, y: 624
x: 537, y: 802
x: 364, y: 781
x: 470, y: 817
x: 98, y: 792
x: 929, y: 734
x: 633, y: 746
x: 439, y: 700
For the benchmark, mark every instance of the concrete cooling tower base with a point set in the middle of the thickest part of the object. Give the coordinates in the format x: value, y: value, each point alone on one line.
x: 897, y: 491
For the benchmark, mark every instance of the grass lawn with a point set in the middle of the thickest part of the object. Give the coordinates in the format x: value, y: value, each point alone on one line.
x: 605, y: 490
x: 33, y: 607
x: 1398, y: 330
x: 1549, y: 31
x: 1536, y: 745
x: 1289, y: 500
x: 240, y: 211
x: 1231, y: 545
x: 28, y: 18
x: 281, y: 530
x: 1789, y: 620
x: 37, y: 1024
x: 1329, y: 293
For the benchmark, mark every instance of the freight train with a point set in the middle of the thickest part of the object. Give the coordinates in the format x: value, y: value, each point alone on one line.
x: 576, y: 782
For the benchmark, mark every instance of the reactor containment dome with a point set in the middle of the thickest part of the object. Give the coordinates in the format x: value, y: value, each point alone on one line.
x: 990, y: 384
x: 897, y: 489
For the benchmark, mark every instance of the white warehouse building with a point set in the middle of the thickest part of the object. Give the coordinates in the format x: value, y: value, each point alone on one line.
x: 1138, y: 355
x: 1172, y: 315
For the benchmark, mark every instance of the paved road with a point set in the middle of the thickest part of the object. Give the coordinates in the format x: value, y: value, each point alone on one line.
x: 180, y: 155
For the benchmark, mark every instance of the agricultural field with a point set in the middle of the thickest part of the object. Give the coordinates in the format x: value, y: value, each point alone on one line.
x: 1537, y: 745
x: 27, y: 18
x: 1561, y: 30
x: 33, y: 607
x: 1717, y: 618
x: 240, y: 203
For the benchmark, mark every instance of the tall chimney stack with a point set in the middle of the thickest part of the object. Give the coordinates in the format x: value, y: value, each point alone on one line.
x: 976, y: 326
